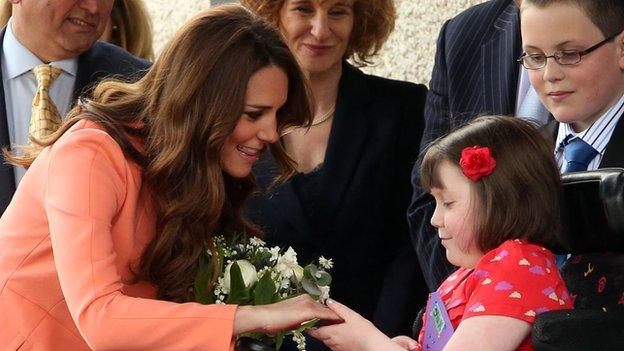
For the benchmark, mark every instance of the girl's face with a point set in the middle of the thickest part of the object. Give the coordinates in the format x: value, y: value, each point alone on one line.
x: 267, y: 92
x: 454, y: 215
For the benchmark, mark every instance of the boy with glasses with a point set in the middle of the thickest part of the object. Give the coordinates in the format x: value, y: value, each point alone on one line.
x: 574, y: 53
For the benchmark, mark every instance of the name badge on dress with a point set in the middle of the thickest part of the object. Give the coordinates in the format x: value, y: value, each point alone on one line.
x: 438, y: 327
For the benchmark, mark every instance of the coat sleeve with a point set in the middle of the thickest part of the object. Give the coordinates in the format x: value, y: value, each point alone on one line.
x: 85, y: 191
x: 430, y: 253
x: 404, y: 290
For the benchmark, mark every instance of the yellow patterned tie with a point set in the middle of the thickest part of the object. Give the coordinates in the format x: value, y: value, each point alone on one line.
x: 45, y: 118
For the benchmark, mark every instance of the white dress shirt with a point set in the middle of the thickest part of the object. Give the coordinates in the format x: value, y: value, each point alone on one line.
x: 20, y: 87
x: 597, y: 135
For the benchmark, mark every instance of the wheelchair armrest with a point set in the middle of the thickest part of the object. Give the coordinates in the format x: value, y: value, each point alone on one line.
x: 578, y: 330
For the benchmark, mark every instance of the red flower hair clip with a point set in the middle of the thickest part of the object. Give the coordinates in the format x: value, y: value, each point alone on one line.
x: 476, y: 162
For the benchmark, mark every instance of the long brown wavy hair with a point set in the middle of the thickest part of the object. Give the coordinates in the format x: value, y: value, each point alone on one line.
x: 183, y: 110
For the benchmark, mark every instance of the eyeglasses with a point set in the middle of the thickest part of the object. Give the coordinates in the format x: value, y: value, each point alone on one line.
x: 564, y: 58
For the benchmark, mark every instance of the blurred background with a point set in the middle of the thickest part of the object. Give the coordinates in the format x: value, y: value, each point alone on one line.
x: 407, y: 55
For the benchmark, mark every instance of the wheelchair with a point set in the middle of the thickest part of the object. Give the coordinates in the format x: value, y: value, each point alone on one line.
x: 593, y: 233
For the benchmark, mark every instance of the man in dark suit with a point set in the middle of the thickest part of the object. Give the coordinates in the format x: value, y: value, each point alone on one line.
x: 61, y: 34
x: 475, y: 73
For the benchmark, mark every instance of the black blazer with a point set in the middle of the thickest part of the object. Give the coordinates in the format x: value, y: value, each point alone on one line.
x: 100, y: 61
x: 474, y: 74
x: 364, y: 192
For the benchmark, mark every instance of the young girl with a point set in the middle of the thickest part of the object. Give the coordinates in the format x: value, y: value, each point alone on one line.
x: 497, y: 191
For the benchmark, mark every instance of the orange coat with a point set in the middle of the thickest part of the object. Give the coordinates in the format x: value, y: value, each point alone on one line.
x: 76, y: 223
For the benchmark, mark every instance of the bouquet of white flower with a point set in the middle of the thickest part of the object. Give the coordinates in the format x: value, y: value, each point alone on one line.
x: 249, y: 273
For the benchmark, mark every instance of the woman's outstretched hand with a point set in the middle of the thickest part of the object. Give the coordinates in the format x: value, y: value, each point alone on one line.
x: 286, y: 314
x: 355, y: 334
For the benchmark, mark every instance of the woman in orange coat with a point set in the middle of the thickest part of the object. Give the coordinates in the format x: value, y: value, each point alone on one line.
x: 100, y: 244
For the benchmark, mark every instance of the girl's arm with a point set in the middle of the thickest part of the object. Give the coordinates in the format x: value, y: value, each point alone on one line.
x: 489, y: 333
x: 355, y: 334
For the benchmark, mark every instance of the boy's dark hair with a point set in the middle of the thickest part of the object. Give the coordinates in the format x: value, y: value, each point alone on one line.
x: 520, y: 199
x: 607, y: 15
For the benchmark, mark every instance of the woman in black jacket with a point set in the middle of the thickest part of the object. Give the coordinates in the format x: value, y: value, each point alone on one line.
x: 352, y: 188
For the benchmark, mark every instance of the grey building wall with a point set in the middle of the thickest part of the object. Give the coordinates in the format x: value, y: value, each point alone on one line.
x: 407, y: 55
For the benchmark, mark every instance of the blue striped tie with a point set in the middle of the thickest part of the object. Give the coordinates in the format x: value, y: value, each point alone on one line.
x: 578, y: 154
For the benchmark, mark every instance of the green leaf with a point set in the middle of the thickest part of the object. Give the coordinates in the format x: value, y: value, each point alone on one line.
x: 265, y: 290
x: 239, y: 294
x: 317, y: 276
x: 323, y: 278
x: 279, y: 339
x: 310, y: 287
x: 204, y: 275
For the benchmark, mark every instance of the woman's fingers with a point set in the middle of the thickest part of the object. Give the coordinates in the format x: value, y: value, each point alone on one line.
x: 341, y: 310
x: 406, y: 342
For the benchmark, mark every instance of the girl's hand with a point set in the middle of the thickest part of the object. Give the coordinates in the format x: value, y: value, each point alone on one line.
x: 355, y: 334
x: 407, y: 343
x: 287, y: 314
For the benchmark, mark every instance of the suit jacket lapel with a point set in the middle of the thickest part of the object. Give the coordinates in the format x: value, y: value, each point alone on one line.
x: 348, y: 134
x: 500, y: 71
x: 83, y: 75
x: 614, y: 153
x: 7, y: 178
x: 549, y: 131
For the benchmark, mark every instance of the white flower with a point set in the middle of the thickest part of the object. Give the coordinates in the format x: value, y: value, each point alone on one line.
x: 297, y: 273
x: 299, y: 338
x: 285, y: 283
x: 274, y: 253
x: 326, y: 263
x: 324, y: 293
x: 255, y: 241
x: 220, y: 287
x: 248, y: 271
x: 286, y: 263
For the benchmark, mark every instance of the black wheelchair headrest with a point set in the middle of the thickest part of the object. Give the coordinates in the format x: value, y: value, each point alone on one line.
x: 593, y: 211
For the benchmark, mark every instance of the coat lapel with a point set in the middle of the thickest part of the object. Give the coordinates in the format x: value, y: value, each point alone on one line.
x: 614, y: 153
x: 500, y: 71
x: 7, y: 178
x: 348, y: 134
x: 549, y: 131
x: 83, y: 75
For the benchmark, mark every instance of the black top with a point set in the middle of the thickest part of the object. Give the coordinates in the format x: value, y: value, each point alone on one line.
x: 307, y: 187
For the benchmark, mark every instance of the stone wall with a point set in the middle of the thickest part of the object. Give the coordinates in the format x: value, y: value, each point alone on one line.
x: 407, y: 55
